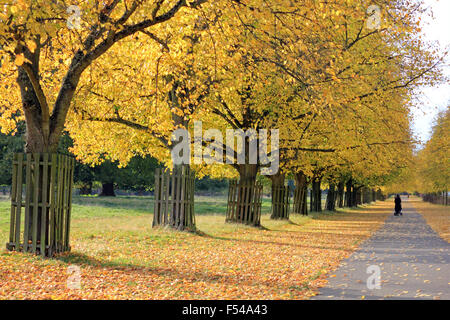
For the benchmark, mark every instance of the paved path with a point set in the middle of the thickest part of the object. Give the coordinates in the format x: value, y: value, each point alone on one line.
x: 414, y: 262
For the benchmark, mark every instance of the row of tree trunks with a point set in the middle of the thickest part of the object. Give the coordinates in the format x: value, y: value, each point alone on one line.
x: 353, y: 197
x: 437, y: 198
x: 370, y: 195
x: 342, y: 194
x: 357, y: 195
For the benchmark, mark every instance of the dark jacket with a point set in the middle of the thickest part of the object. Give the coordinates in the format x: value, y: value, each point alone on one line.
x: 398, y: 204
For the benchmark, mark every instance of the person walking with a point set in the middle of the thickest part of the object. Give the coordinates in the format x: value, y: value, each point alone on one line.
x: 398, y: 205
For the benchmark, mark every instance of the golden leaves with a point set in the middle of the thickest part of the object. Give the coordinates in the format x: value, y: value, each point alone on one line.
x: 31, y: 45
x: 317, y: 60
x: 437, y: 216
x: 130, y: 260
x: 20, y: 59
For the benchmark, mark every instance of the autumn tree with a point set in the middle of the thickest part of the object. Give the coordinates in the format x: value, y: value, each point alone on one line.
x: 36, y: 39
x: 433, y: 162
x: 47, y: 47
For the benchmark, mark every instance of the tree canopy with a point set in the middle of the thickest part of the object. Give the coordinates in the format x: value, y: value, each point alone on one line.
x: 336, y: 79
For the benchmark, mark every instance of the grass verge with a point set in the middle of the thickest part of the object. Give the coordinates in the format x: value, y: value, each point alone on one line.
x: 437, y: 216
x: 121, y: 257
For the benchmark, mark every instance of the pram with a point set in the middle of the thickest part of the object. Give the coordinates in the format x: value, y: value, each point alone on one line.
x: 398, y: 206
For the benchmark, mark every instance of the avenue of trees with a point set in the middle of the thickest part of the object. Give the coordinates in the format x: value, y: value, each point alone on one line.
x: 434, y: 162
x: 335, y: 78
x: 429, y: 172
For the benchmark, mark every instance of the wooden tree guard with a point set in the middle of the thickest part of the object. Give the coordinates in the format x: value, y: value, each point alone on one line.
x: 47, y: 201
x: 174, y: 198
x: 379, y: 195
x: 300, y: 200
x: 280, y: 202
x: 244, y: 203
x: 367, y: 195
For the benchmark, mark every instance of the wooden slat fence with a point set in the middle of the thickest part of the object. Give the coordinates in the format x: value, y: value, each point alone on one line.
x: 280, y: 202
x: 46, y: 198
x: 174, y: 198
x: 244, y: 203
x: 300, y: 200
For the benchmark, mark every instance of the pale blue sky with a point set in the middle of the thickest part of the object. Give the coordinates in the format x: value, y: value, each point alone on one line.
x: 434, y: 99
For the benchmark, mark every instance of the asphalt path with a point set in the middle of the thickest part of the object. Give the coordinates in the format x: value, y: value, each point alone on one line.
x: 404, y: 259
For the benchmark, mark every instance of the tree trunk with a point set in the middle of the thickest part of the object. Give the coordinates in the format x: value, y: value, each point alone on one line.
x: 48, y: 180
x: 348, y: 194
x: 180, y: 214
x: 37, y: 130
x: 40, y: 136
x: 354, y: 196
x: 379, y: 195
x: 365, y: 195
x: 331, y: 198
x: 316, y: 195
x: 340, y: 195
x: 280, y: 197
x: 37, y: 184
x: 357, y: 196
x: 301, y: 193
x: 174, y: 196
x: 305, y: 201
x: 247, y: 181
x: 107, y: 190
x: 319, y: 196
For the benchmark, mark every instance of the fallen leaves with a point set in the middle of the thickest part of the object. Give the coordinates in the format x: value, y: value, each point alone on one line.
x: 127, y: 259
x: 437, y: 216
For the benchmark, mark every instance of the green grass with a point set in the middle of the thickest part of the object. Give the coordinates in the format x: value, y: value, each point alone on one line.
x: 144, y: 204
x: 90, y: 213
x: 5, y: 209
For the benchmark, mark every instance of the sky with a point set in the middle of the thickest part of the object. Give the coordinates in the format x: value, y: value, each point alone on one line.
x: 434, y: 99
